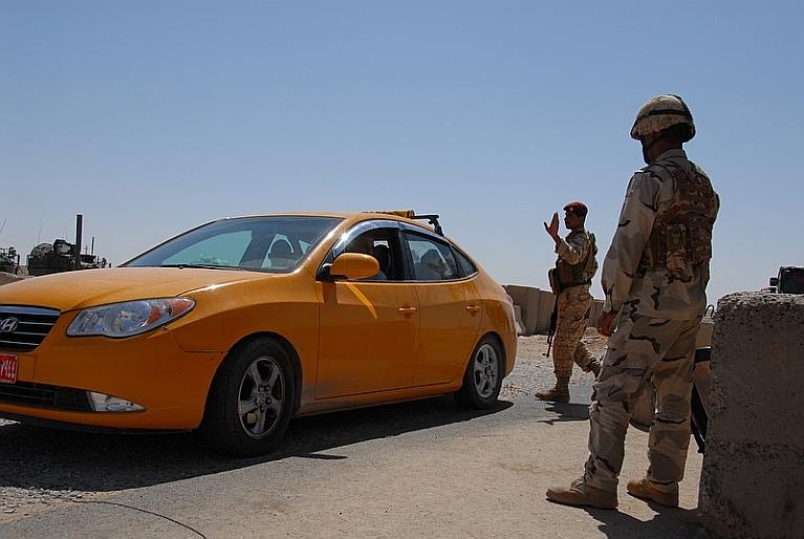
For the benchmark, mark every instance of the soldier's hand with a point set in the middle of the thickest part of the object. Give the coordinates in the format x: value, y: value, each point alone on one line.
x: 605, y: 323
x: 552, y: 228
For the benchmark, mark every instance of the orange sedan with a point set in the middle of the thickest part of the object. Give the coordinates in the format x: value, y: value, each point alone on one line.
x: 239, y: 325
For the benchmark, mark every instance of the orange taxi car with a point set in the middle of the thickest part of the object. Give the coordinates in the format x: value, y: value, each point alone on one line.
x: 238, y: 325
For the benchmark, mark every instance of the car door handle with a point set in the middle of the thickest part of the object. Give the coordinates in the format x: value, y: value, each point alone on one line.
x: 407, y: 311
x: 473, y: 309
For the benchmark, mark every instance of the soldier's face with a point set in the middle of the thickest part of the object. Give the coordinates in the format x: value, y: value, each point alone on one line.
x: 648, y: 144
x: 572, y: 221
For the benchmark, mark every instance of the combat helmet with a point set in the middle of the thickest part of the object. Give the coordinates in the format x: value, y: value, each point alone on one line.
x: 660, y: 113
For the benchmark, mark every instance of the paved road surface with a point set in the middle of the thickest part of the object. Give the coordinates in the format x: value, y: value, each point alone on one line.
x: 424, y: 469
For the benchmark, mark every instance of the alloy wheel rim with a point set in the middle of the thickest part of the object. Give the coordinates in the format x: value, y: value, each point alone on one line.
x: 261, y: 397
x: 486, y: 370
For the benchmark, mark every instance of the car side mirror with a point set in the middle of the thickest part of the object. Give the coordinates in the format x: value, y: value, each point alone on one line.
x: 773, y: 281
x: 351, y: 266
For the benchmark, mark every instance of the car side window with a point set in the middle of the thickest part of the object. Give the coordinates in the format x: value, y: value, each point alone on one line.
x: 433, y: 260
x: 368, y: 243
x: 465, y: 266
x: 383, y: 244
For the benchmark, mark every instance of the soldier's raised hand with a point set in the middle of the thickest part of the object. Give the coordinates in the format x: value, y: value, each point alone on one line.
x: 552, y: 228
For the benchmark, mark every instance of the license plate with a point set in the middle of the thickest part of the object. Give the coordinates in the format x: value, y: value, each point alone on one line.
x: 8, y: 368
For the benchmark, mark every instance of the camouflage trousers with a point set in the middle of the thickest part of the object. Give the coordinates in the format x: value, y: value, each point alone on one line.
x: 573, y: 317
x: 643, y: 351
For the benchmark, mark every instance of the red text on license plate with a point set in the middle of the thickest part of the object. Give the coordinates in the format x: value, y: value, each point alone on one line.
x: 8, y: 368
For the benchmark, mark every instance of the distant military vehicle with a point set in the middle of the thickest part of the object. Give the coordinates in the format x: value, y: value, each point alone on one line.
x: 59, y: 256
x: 10, y: 261
x: 790, y: 280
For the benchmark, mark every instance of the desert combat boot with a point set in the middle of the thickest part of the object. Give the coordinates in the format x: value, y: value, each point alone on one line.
x: 645, y: 489
x: 580, y: 493
x: 559, y: 393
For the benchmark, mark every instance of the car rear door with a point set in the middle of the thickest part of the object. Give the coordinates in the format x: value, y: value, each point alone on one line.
x: 450, y: 310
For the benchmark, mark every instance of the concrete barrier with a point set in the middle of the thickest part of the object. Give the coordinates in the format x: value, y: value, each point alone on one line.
x: 752, y: 479
x: 547, y: 301
x: 518, y: 317
x: 527, y: 297
x: 536, y: 306
x: 594, y: 313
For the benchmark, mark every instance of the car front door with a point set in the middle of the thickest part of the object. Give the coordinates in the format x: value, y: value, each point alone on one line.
x: 369, y: 327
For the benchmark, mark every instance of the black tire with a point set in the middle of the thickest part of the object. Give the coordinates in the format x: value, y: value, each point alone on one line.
x: 251, y: 400
x: 482, y: 379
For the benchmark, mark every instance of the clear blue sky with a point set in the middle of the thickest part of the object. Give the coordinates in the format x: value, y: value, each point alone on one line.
x: 148, y: 117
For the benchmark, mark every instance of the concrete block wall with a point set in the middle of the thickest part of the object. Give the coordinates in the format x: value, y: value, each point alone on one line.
x: 547, y: 301
x: 597, y: 308
x: 518, y: 316
x: 536, y: 306
x: 752, y: 479
x: 527, y: 298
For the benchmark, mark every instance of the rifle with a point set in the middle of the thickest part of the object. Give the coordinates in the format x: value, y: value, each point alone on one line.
x: 551, y: 329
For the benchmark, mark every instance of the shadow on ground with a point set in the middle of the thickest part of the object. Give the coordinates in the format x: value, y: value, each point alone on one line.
x: 61, y: 460
x: 566, y: 412
x: 617, y: 525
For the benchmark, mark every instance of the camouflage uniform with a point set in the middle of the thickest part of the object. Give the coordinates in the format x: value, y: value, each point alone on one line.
x: 654, y: 276
x: 573, y: 302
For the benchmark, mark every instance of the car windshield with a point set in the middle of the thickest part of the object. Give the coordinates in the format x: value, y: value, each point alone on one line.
x: 270, y: 243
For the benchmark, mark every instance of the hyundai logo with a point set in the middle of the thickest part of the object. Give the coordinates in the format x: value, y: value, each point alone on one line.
x: 9, y: 325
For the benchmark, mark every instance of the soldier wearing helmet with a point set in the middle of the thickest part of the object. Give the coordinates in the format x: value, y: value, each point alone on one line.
x: 661, y: 118
x: 570, y: 279
x: 654, y: 276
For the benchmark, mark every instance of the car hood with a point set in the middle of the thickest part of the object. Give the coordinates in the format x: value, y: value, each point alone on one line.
x: 85, y: 288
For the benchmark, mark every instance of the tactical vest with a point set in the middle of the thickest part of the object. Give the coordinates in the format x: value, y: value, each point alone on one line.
x: 580, y: 273
x: 681, y: 238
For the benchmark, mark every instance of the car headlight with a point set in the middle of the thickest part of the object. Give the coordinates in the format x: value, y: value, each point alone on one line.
x: 130, y: 318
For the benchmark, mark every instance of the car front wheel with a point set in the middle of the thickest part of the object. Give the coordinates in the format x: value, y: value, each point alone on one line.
x: 251, y: 400
x: 482, y: 379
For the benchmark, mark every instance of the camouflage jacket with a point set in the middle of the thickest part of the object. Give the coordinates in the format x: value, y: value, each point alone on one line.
x: 653, y: 291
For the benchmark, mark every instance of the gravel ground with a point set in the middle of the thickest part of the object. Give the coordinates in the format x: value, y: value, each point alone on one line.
x: 43, y: 468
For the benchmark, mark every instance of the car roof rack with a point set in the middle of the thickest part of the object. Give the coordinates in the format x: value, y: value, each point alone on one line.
x: 431, y: 218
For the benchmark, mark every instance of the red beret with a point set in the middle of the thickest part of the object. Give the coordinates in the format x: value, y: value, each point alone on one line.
x: 578, y: 208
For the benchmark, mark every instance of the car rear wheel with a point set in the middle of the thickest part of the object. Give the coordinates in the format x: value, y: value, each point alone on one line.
x: 251, y: 400
x: 483, y: 377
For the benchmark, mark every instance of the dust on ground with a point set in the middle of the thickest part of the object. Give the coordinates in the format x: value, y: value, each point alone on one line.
x: 534, y: 347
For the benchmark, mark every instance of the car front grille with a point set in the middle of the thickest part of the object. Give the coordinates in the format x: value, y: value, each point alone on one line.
x: 44, y: 396
x: 22, y: 329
